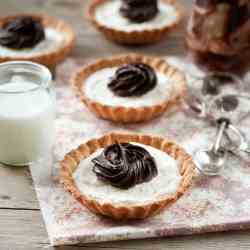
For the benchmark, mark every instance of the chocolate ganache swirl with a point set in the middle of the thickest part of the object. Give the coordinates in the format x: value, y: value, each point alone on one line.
x: 134, y: 79
x: 124, y: 165
x: 139, y: 11
x: 22, y: 32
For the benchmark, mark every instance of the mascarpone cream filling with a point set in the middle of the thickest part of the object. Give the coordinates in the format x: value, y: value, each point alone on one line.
x: 53, y: 40
x: 108, y: 14
x: 165, y: 183
x: 96, y: 88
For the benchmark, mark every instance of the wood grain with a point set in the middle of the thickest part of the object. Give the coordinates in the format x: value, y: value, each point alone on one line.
x: 21, y: 224
x: 16, y: 190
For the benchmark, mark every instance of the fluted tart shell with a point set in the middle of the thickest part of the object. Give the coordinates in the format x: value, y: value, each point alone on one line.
x: 147, y: 36
x: 127, y: 211
x: 130, y: 114
x: 49, y: 58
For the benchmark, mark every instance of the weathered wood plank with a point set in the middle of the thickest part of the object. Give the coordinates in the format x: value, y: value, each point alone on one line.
x: 22, y: 230
x: 16, y: 189
x: 204, y: 242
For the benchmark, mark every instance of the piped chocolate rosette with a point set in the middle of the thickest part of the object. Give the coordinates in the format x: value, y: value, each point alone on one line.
x: 121, y: 162
x: 124, y: 165
x: 137, y: 88
x: 22, y: 32
x: 134, y: 79
x: 219, y: 34
x: 139, y: 11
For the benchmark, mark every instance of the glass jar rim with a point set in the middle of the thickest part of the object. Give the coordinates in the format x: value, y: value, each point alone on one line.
x: 45, y: 73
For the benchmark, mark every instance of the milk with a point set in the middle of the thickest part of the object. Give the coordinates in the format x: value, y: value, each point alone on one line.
x: 26, y: 122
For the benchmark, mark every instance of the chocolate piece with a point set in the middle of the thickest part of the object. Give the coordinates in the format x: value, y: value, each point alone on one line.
x: 228, y: 103
x: 243, y: 2
x: 241, y: 37
x: 196, y: 22
x: 124, y: 165
x: 219, y: 63
x: 139, y: 2
x: 139, y: 11
x: 216, y: 24
x: 22, y: 32
x: 206, y: 3
x: 234, y: 17
x: 244, y: 13
x: 134, y: 79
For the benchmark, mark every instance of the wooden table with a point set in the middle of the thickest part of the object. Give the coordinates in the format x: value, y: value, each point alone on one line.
x: 21, y: 224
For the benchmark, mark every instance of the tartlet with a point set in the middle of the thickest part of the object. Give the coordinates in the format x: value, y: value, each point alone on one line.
x: 172, y: 90
x: 48, y: 56
x: 122, y: 210
x: 135, y: 36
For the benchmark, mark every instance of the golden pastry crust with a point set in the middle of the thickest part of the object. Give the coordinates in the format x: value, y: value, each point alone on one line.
x: 133, y: 37
x: 48, y: 58
x: 128, y: 114
x: 124, y: 212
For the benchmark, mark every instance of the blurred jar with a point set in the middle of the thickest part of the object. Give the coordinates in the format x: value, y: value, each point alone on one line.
x: 27, y: 113
x: 218, y: 35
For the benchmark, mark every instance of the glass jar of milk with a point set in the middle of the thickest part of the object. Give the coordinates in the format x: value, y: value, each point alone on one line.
x: 27, y: 112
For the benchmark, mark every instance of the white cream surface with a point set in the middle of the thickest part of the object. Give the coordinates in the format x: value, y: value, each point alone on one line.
x: 165, y: 183
x: 26, y: 122
x: 108, y: 14
x: 53, y: 40
x: 96, y: 88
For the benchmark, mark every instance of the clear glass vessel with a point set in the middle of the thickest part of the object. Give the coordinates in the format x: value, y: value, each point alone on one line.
x: 27, y: 112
